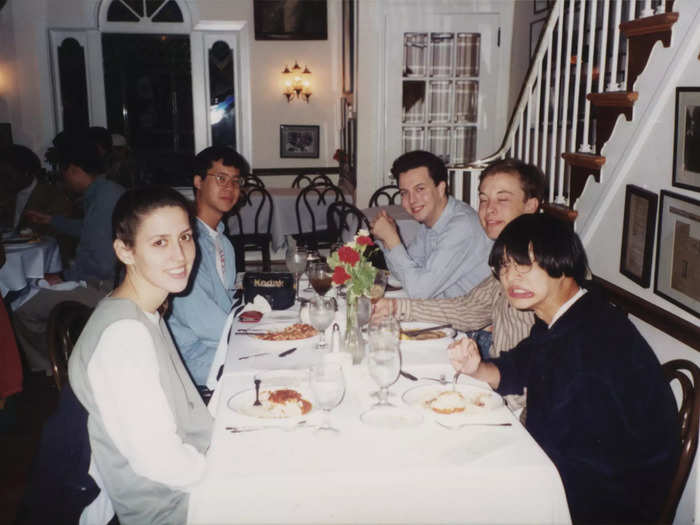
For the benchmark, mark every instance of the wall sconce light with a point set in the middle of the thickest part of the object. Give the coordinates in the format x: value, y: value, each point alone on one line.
x: 297, y: 83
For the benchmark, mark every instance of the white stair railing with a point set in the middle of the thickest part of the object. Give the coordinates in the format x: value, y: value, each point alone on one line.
x: 581, y: 50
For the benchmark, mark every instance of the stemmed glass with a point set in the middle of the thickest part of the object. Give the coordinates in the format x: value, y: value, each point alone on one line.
x: 321, y: 314
x: 296, y: 262
x: 328, y: 387
x: 320, y: 277
x: 312, y: 258
x: 376, y: 292
x: 384, y: 357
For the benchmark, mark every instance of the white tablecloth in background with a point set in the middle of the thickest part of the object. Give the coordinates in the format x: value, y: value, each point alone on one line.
x: 284, y: 217
x: 423, y: 474
x: 408, y: 226
x: 27, y: 261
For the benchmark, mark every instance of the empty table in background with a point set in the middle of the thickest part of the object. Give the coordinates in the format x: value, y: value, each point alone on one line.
x: 26, y: 261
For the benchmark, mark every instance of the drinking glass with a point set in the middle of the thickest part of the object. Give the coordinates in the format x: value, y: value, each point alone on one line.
x: 320, y: 277
x: 328, y: 386
x: 364, y: 311
x: 296, y: 262
x: 321, y: 314
x: 384, y: 357
x: 376, y: 292
x: 312, y: 258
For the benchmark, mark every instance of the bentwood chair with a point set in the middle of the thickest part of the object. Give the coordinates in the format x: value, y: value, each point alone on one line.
x: 306, y: 179
x: 688, y: 376
x: 344, y: 220
x: 313, y: 200
x: 385, y: 195
x: 252, y: 181
x: 257, y: 199
x: 66, y: 321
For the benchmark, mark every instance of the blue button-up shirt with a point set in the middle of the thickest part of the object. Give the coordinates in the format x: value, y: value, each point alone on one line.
x: 94, y: 257
x: 199, y: 313
x: 447, y: 260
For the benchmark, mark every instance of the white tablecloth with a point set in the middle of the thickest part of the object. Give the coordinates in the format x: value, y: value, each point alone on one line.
x: 408, y: 226
x: 30, y: 260
x: 422, y: 474
x: 284, y: 218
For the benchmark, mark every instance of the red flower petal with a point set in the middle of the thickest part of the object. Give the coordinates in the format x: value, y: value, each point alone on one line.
x: 348, y: 255
x: 340, y: 276
x: 364, y: 240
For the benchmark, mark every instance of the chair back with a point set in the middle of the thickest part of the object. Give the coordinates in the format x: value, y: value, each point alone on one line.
x: 310, y: 200
x: 259, y: 199
x: 252, y: 181
x: 688, y: 376
x: 304, y: 179
x: 66, y: 322
x: 345, y: 220
x: 385, y: 195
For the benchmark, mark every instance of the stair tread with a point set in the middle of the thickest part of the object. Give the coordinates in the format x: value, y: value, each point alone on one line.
x: 584, y: 160
x: 613, y: 98
x: 560, y: 211
x: 649, y: 25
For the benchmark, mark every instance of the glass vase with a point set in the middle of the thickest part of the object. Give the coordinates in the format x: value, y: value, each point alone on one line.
x: 353, y: 339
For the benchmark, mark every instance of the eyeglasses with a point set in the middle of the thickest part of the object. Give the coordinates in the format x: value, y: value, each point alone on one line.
x: 225, y: 180
x: 520, y: 269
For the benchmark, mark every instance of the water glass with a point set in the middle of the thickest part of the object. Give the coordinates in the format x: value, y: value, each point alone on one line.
x: 381, y: 279
x: 328, y: 386
x: 321, y: 314
x: 384, y: 357
x: 296, y: 263
x: 312, y: 258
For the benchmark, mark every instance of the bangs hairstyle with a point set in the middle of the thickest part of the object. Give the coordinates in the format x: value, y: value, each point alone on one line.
x: 228, y: 157
x: 551, y: 243
x: 136, y: 204
x: 532, y: 180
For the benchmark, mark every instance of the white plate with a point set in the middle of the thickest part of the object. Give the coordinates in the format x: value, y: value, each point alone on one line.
x: 479, y: 402
x: 391, y: 417
x: 272, y: 346
x: 417, y: 343
x: 242, y: 403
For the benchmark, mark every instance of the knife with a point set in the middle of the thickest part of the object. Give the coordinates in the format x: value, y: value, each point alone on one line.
x: 413, y: 333
x: 287, y: 352
x: 408, y: 376
x: 253, y: 355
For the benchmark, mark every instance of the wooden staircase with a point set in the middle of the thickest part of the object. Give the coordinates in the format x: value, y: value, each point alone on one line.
x: 641, y: 35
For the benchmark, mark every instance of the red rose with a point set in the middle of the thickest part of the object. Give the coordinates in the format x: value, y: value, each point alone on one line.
x: 340, y: 276
x: 364, y: 240
x: 348, y: 255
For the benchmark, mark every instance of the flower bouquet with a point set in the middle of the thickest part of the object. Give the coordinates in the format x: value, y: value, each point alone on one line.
x: 352, y: 268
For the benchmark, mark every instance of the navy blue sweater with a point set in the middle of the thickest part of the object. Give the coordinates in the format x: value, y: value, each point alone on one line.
x: 598, y: 404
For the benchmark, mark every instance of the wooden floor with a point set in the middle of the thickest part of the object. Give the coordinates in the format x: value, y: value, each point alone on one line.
x: 20, y: 429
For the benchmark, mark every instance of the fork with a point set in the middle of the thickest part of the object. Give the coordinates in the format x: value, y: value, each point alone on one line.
x: 284, y: 428
x: 462, y: 425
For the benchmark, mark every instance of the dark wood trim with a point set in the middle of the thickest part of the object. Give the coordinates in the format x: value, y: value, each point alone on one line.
x: 621, y: 99
x: 678, y: 328
x: 559, y: 211
x: 584, y: 160
x: 296, y: 171
x: 649, y: 25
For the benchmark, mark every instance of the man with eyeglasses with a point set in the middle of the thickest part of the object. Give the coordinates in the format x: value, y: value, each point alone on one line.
x: 198, y: 314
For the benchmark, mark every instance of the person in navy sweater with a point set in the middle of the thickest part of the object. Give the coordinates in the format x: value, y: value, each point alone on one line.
x: 597, y: 400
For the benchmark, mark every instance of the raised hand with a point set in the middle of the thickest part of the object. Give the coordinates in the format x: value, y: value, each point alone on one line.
x: 464, y: 356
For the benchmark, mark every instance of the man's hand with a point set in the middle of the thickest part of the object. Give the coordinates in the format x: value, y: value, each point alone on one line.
x: 464, y: 356
x: 37, y: 217
x: 383, y: 308
x: 384, y: 228
x: 53, y: 278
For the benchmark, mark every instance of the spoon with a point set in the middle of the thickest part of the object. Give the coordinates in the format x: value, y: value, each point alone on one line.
x: 257, y: 392
x: 454, y: 381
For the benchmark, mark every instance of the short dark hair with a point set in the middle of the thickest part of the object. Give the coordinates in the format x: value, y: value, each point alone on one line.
x: 134, y: 205
x: 553, y: 244
x: 101, y: 136
x: 532, y: 180
x: 417, y: 159
x: 228, y: 157
x: 21, y: 159
x: 80, y: 150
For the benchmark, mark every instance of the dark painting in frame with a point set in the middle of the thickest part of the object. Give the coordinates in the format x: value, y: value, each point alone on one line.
x: 299, y: 142
x: 638, y: 234
x: 677, y: 276
x: 290, y: 19
x: 686, y: 141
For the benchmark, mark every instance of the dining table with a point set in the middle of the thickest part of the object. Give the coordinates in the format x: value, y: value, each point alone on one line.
x: 411, y: 471
x: 28, y: 259
x: 284, y: 218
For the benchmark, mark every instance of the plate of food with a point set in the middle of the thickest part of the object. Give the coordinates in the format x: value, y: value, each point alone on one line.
x: 281, y: 335
x: 443, y: 400
x: 276, y: 403
x: 440, y: 336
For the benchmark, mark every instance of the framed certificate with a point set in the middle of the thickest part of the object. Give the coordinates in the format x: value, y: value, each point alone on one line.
x: 638, y: 235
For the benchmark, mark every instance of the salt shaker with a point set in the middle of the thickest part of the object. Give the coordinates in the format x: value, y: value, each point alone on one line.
x: 336, y: 340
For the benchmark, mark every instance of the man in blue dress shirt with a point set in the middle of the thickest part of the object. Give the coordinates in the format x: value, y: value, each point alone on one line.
x: 94, y: 262
x: 199, y: 313
x: 449, y: 254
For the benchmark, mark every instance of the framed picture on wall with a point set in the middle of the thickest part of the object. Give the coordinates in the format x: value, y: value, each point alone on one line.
x: 536, y: 28
x: 299, y: 142
x: 677, y: 277
x: 686, y: 143
x: 638, y: 234
x: 290, y: 20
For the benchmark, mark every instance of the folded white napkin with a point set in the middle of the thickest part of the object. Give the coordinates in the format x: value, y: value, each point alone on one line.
x: 63, y: 286
x: 259, y: 304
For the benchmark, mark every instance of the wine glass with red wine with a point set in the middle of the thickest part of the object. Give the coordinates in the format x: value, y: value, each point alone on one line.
x: 320, y: 277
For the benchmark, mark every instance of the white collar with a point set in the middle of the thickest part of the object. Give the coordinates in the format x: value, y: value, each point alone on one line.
x: 564, y: 307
